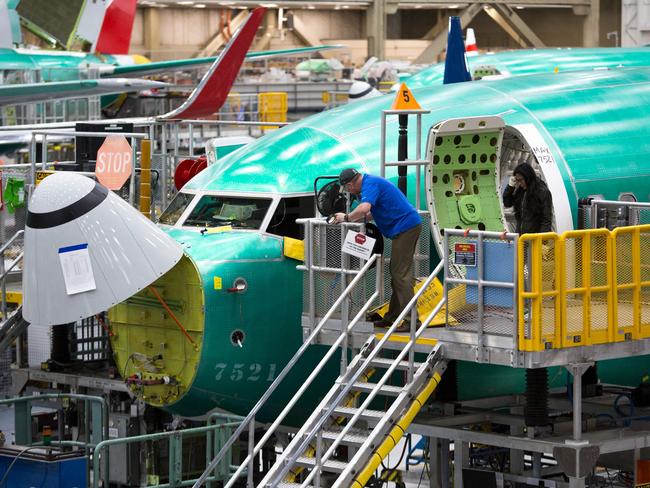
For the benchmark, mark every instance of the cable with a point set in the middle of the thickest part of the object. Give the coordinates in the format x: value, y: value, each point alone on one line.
x: 16, y: 459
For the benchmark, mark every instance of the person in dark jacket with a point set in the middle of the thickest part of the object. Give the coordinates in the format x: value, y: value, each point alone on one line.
x: 531, y: 200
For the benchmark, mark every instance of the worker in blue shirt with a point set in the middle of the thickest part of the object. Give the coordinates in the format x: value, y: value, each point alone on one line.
x: 396, y: 219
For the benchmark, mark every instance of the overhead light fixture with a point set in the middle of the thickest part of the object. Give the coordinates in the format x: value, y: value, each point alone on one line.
x: 519, y: 7
x: 269, y: 5
x: 311, y: 7
x: 454, y: 6
x: 199, y: 5
x: 345, y: 6
x: 418, y: 6
x: 184, y: 2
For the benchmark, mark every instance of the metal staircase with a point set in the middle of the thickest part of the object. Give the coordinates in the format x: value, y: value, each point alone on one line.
x: 371, y: 433
x: 12, y: 328
x: 344, y: 416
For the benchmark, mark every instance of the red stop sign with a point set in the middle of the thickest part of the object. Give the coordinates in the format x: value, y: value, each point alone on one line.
x: 113, y: 166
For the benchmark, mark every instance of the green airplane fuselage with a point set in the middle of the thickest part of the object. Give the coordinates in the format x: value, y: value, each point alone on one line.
x: 591, y: 125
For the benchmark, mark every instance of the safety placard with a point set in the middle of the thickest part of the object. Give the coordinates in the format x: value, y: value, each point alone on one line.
x: 41, y: 175
x: 77, y: 269
x: 465, y: 254
x: 358, y: 245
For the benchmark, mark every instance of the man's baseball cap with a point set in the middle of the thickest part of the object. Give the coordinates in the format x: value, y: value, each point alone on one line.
x: 347, y: 175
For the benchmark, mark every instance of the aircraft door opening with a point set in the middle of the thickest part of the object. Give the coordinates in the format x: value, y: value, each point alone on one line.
x: 461, y: 180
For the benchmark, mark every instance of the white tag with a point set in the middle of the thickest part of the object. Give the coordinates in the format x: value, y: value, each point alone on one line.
x: 77, y: 270
x: 358, y: 244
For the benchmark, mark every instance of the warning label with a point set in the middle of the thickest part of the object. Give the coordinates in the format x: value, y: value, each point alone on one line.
x: 465, y: 254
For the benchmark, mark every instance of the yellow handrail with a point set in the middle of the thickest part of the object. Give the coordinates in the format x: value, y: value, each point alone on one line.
x: 600, y: 287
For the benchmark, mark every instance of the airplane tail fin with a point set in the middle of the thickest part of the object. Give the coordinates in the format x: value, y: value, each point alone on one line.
x: 212, y: 90
x: 456, y: 67
x: 470, y: 43
x: 116, y: 28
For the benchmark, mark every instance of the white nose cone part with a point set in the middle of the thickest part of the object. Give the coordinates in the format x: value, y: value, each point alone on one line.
x: 360, y: 90
x: 86, y: 250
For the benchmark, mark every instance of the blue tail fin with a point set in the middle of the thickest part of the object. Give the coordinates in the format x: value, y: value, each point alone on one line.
x: 456, y: 67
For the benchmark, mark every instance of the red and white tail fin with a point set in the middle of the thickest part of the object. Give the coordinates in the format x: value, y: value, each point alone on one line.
x: 470, y: 43
x: 115, y: 33
x: 212, y: 90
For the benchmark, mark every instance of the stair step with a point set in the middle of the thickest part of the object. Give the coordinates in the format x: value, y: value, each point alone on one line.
x: 354, y: 437
x: 372, y: 415
x: 386, y: 390
x: 387, y: 363
x: 330, y: 465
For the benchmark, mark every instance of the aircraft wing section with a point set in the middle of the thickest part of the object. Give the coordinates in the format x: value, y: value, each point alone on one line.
x: 38, y: 92
x: 211, y: 92
x: 179, y: 64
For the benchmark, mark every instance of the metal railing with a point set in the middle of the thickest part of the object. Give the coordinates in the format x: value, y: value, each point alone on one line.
x: 249, y: 421
x: 584, y: 287
x: 5, y: 270
x: 480, y: 285
x: 214, y: 438
x: 95, y: 418
x: 409, y: 348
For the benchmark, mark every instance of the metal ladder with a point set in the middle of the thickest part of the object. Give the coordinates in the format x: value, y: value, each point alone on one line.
x: 320, y: 435
x: 12, y: 325
x: 12, y: 328
x: 370, y: 433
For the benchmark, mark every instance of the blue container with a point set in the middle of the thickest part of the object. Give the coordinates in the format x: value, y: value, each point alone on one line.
x: 497, y: 265
x: 37, y: 469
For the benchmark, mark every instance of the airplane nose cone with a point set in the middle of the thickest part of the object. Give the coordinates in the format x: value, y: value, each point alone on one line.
x: 86, y: 250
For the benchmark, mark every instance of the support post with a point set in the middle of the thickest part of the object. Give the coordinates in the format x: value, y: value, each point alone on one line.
x: 577, y: 370
x: 402, y: 151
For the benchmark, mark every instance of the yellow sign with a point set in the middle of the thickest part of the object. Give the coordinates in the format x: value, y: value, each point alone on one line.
x: 220, y: 229
x: 294, y: 248
x: 41, y: 175
x: 218, y: 284
x: 426, y: 303
x: 404, y: 100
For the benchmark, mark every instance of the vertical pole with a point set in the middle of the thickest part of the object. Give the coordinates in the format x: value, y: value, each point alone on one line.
x: 132, y: 182
x: 309, y: 256
x: 480, y: 273
x: 382, y: 146
x: 4, y: 286
x: 418, y: 156
x: 445, y: 289
x: 164, y: 161
x: 44, y: 152
x: 145, y: 178
x: 402, y: 151
x: 251, y: 449
x: 32, y: 158
x: 515, y: 294
x: 345, y: 305
x: 190, y: 129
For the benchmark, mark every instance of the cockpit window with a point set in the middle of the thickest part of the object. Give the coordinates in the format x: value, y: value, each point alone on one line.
x: 238, y: 212
x: 176, y: 208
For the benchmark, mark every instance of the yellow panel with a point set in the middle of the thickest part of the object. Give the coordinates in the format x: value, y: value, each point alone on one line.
x: 147, y: 342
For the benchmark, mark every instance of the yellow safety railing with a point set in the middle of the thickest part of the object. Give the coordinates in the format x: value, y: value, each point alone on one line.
x: 584, y: 287
x: 539, y: 262
x: 631, y: 280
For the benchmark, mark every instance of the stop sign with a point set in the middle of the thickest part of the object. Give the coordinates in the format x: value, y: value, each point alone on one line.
x: 113, y: 166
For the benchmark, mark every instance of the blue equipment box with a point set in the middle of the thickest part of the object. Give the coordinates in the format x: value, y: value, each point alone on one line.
x: 497, y: 265
x: 36, y: 469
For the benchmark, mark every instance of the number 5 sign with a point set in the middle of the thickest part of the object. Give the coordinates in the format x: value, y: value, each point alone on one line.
x: 113, y: 166
x: 404, y: 99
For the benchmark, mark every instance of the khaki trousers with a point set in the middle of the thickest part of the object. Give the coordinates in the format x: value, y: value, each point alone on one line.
x: 401, y: 271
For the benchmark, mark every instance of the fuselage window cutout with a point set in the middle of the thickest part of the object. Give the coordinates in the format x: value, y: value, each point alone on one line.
x: 283, y: 222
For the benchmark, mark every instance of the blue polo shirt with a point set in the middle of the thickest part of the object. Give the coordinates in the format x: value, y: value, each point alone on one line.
x: 391, y: 211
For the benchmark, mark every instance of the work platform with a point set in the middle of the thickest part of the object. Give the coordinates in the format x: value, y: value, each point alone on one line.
x: 561, y: 321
